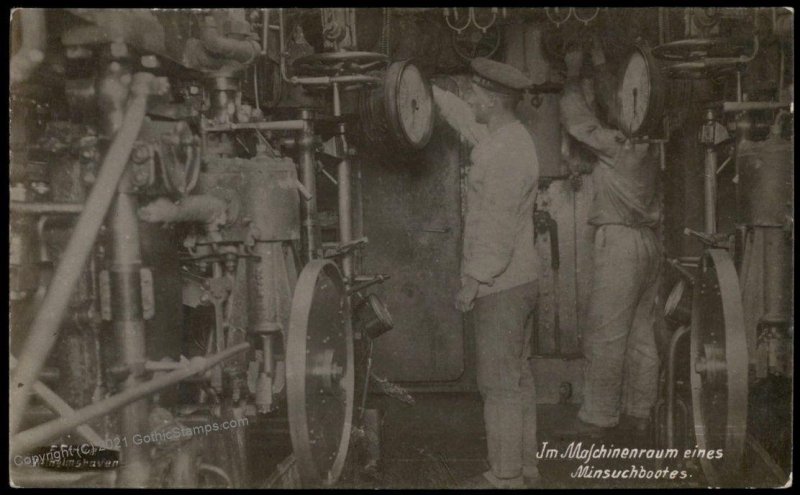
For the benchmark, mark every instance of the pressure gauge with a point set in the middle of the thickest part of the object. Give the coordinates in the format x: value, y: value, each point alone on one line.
x: 399, y: 114
x: 409, y: 104
x: 641, y: 94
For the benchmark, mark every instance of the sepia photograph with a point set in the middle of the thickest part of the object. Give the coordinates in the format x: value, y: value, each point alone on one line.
x: 401, y: 247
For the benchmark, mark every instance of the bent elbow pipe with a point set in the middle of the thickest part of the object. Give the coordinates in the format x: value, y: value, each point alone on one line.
x: 198, y: 208
x: 243, y: 51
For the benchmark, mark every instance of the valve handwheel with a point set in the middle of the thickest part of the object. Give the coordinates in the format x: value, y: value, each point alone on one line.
x: 704, y: 57
x: 472, y: 43
x: 339, y: 63
x: 697, y: 48
x: 320, y: 376
x: 719, y: 367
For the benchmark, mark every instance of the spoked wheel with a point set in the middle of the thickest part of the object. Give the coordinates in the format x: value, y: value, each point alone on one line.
x: 320, y: 374
x: 719, y: 367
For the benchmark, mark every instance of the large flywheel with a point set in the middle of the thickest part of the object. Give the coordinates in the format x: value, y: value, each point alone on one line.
x: 719, y: 367
x: 320, y: 373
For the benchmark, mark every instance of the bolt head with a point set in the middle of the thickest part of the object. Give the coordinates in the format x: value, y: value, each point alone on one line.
x: 150, y: 61
x: 119, y: 49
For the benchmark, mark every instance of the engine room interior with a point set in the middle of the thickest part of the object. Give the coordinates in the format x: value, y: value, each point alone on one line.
x: 411, y: 247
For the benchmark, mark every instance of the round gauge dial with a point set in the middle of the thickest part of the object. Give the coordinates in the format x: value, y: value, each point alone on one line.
x: 641, y: 95
x: 409, y: 104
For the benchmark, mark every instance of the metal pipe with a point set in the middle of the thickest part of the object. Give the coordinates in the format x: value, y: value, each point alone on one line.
x: 683, y: 271
x: 308, y: 173
x: 38, y: 435
x: 264, y: 30
x: 711, y: 190
x: 58, y: 405
x: 162, y: 365
x: 337, y: 101
x: 203, y: 208
x: 45, y: 208
x: 325, y: 80
x: 128, y: 325
x: 710, y: 183
x: 743, y: 106
x: 278, y: 125
x: 112, y: 92
x: 125, y: 280
x: 242, y: 51
x: 673, y: 345
x: 34, y: 41
x: 44, y: 329
x: 344, y: 193
x: 282, y: 38
x: 739, y: 95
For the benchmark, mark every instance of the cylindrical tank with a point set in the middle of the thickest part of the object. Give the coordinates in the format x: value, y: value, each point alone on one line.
x: 766, y: 179
x: 540, y: 114
x: 766, y: 183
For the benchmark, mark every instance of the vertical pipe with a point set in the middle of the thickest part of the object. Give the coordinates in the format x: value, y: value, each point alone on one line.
x: 128, y: 324
x: 710, y: 182
x: 264, y: 31
x: 44, y: 329
x: 282, y: 44
x: 125, y: 281
x: 345, y: 205
x: 337, y: 101
x: 309, y: 178
x: 344, y: 191
x: 739, y: 96
x: 711, y: 190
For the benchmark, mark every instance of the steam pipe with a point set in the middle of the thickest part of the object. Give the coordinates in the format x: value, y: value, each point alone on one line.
x: 34, y: 40
x: 710, y: 183
x: 264, y: 30
x: 308, y: 175
x: 128, y: 327
x: 45, y: 327
x: 197, y: 208
x: 278, y: 125
x: 345, y: 212
x: 38, y: 435
x: 243, y: 51
x: 743, y: 106
x: 45, y: 208
x: 711, y: 190
x: 58, y: 405
x: 282, y: 38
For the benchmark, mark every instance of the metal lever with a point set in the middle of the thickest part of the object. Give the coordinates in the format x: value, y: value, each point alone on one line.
x: 364, y: 282
x: 711, y: 240
x: 682, y: 270
x: 704, y: 238
x: 442, y: 230
x: 345, y: 248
